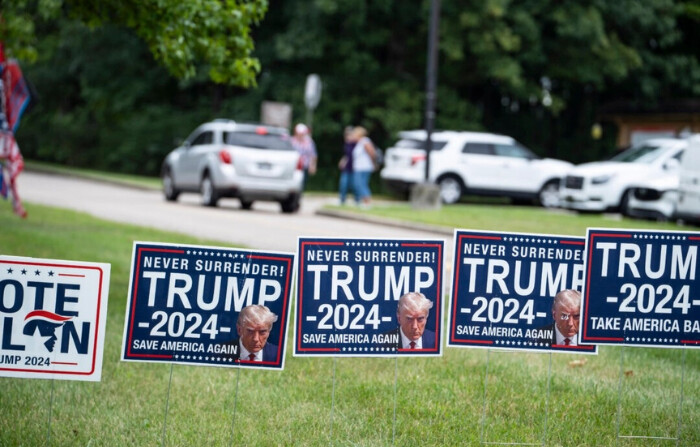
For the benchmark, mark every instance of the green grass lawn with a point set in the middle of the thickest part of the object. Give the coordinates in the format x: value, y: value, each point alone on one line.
x: 499, y: 217
x: 137, y: 181
x: 348, y: 401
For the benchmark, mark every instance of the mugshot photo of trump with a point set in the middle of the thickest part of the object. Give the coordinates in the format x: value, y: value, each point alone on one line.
x: 253, y: 326
x: 412, y: 314
x: 566, y: 315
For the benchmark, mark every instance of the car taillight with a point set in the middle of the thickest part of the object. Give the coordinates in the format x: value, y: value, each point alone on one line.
x: 416, y: 158
x: 300, y: 165
x: 225, y: 156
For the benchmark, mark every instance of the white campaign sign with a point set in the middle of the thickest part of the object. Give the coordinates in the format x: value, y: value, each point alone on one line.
x: 52, y: 318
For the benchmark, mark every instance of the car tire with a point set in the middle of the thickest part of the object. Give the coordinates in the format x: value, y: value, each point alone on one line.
x: 450, y: 189
x: 246, y: 204
x: 624, y: 203
x: 169, y: 191
x: 548, y: 197
x: 210, y: 196
x: 290, y: 204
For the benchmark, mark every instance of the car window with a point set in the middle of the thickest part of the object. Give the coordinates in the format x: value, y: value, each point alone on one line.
x: 513, y: 150
x: 639, y: 154
x: 478, y: 148
x: 420, y: 144
x: 206, y: 137
x: 258, y: 141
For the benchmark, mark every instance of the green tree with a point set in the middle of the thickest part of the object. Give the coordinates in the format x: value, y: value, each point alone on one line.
x: 116, y: 110
x: 535, y: 69
x: 540, y: 69
x: 182, y: 35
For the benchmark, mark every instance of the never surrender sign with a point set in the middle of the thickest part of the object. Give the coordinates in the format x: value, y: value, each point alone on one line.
x: 369, y: 297
x: 641, y: 288
x: 52, y: 314
x: 200, y: 305
x: 516, y: 291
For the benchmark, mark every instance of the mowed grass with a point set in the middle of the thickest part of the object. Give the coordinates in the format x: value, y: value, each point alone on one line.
x: 462, y: 398
x: 136, y: 181
x: 498, y: 217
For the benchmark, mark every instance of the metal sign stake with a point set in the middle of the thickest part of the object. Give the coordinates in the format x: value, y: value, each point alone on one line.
x: 680, y: 406
x: 167, y: 403
x: 396, y: 379
x: 235, y: 405
x: 330, y: 436
x: 48, y: 434
x: 677, y: 438
x: 546, y: 402
x: 483, y: 413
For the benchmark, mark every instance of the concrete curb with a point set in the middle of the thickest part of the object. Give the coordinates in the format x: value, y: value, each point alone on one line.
x: 386, y: 221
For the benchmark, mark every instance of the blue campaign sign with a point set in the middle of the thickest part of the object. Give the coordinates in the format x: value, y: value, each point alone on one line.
x: 641, y: 288
x: 201, y: 305
x: 369, y: 297
x: 516, y: 291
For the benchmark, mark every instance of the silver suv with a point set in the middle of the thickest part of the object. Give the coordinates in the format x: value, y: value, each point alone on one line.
x: 473, y: 163
x: 223, y: 158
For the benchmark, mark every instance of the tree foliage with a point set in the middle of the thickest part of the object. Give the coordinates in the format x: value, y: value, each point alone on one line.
x: 538, y: 70
x: 182, y: 35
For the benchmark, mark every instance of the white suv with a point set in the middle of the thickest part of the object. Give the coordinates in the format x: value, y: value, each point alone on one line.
x: 607, y: 185
x: 473, y: 163
x: 223, y: 158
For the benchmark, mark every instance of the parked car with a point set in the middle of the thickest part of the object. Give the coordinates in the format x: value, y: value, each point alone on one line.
x: 654, y: 199
x: 607, y: 185
x: 688, y: 206
x: 473, y: 163
x: 223, y: 158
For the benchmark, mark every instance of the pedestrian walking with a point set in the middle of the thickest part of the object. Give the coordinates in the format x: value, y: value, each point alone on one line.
x: 363, y: 156
x: 305, y: 146
x: 347, y: 179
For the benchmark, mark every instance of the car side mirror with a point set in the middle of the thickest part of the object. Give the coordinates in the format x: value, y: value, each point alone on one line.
x: 671, y: 164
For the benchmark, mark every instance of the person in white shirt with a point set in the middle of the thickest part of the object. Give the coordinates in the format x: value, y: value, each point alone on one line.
x: 363, y: 164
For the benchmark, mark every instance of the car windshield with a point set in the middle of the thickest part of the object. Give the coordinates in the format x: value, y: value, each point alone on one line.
x: 514, y: 150
x: 420, y: 144
x: 639, y: 154
x: 258, y: 141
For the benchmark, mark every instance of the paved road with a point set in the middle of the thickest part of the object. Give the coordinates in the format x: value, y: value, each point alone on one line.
x: 265, y: 227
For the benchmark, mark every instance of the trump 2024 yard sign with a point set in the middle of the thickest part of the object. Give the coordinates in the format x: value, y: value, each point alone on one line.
x: 348, y: 294
x: 505, y: 288
x: 185, y: 301
x: 641, y: 288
